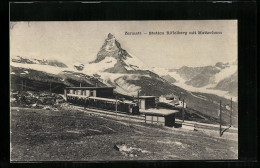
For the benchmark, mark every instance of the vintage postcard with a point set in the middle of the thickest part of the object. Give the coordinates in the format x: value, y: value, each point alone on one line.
x: 123, y: 90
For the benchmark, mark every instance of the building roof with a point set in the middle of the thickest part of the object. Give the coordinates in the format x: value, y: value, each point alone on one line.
x: 112, y: 100
x: 174, y: 101
x: 90, y: 88
x: 101, y: 98
x: 158, y: 112
x: 146, y: 97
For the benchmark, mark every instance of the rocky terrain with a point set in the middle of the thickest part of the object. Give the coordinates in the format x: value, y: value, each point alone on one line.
x: 68, y: 134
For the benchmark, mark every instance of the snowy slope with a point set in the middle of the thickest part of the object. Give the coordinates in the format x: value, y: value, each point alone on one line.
x: 181, y: 82
x: 38, y: 67
x: 106, y: 63
x: 225, y: 73
x: 116, y: 67
x: 88, y: 69
x: 133, y: 63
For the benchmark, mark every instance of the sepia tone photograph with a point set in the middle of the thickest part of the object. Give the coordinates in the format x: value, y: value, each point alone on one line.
x: 123, y: 90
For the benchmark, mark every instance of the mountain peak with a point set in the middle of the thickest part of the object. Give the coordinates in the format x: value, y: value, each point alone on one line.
x: 110, y: 36
x: 112, y: 50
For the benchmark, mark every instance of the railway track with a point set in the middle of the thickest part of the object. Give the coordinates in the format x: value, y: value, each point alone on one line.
x: 141, y: 118
x: 203, y: 125
x: 110, y: 113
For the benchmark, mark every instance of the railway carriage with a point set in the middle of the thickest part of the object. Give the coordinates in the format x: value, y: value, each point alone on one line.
x: 86, y: 96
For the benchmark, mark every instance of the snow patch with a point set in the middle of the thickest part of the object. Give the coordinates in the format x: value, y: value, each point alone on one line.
x: 160, y: 71
x: 225, y: 73
x: 123, y: 86
x: 93, y: 68
x: 106, y: 76
x: 89, y: 69
x: 133, y: 63
x: 129, y: 89
x: 37, y: 67
x: 180, y: 82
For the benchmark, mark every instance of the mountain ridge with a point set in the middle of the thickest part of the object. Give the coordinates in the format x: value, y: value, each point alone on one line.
x: 114, y: 66
x: 112, y: 58
x: 207, y: 77
x: 19, y: 59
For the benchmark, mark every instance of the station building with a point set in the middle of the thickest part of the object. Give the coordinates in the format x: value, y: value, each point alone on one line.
x: 105, y: 92
x: 146, y: 102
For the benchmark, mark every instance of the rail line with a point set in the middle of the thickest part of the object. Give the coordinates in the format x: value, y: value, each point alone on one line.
x: 109, y: 112
x: 141, y: 118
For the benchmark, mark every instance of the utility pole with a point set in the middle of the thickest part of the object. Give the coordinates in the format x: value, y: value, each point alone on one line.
x: 50, y: 86
x: 220, y: 118
x: 25, y: 85
x: 22, y: 84
x: 129, y: 119
x: 116, y: 105
x: 231, y: 112
x: 183, y: 110
x: 138, y: 99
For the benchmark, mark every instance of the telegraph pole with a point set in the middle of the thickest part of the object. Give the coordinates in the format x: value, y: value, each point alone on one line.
x: 116, y: 105
x: 22, y: 84
x: 25, y: 85
x: 138, y: 99
x: 183, y: 110
x: 220, y: 118
x: 231, y: 112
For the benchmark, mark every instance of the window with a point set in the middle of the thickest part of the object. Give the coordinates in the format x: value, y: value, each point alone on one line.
x: 91, y: 93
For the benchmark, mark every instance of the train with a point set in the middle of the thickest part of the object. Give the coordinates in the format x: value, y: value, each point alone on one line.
x: 111, y: 104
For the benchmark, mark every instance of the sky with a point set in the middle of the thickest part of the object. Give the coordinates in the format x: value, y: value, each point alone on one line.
x: 80, y: 41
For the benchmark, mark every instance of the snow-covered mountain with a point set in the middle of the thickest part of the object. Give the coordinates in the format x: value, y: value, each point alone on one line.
x: 117, y: 67
x: 55, y: 63
x: 205, y: 79
x: 229, y: 84
x: 203, y: 76
x: 114, y: 66
x: 124, y: 62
